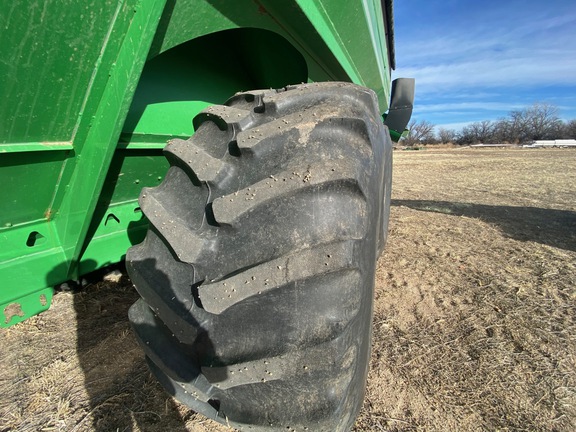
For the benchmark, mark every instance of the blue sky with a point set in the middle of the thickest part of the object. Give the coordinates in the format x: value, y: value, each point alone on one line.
x: 479, y: 60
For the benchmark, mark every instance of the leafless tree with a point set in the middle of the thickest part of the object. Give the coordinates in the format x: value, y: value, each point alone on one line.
x: 513, y: 129
x: 446, y: 136
x: 541, y: 121
x: 477, y: 132
x: 483, y: 131
x: 421, y: 132
x: 569, y: 130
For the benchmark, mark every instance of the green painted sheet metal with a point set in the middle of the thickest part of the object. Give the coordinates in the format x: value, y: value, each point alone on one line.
x: 117, y: 219
x: 28, y: 181
x: 76, y: 147
x: 50, y: 51
x: 123, y: 226
x: 35, y: 146
x: 336, y: 47
x: 356, y: 43
x: 75, y: 84
x: 134, y: 25
x: 180, y: 82
x: 25, y: 306
x: 31, y: 260
x: 320, y: 32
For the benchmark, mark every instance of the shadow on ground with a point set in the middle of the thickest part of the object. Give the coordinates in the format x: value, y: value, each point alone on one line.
x: 550, y: 227
x: 123, y: 395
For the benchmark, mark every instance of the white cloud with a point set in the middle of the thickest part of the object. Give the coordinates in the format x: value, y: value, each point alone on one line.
x: 478, y: 63
x: 503, y: 72
x: 515, y: 50
x: 464, y: 106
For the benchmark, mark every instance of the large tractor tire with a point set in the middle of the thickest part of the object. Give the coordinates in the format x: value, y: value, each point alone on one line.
x: 257, y: 271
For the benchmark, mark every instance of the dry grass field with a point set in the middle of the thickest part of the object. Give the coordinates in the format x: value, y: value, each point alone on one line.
x: 474, y: 326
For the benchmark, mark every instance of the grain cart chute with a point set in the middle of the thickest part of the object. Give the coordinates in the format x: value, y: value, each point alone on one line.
x: 262, y: 212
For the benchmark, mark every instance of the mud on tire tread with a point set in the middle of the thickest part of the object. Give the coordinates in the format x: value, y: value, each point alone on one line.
x: 257, y: 272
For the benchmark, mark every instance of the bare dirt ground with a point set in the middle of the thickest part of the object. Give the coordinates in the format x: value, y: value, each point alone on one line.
x: 474, y: 326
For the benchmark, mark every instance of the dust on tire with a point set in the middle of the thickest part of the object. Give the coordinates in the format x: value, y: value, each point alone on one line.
x: 256, y: 279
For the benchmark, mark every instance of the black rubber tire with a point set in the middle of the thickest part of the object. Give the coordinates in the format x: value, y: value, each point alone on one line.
x: 257, y: 271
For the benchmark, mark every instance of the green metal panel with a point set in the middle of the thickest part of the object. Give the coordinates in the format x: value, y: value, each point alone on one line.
x: 356, y: 43
x: 73, y: 69
x: 49, y: 54
x: 341, y: 40
x: 98, y: 133
x: 76, y: 146
x: 31, y: 260
x: 182, y: 81
x: 28, y: 181
x: 118, y: 220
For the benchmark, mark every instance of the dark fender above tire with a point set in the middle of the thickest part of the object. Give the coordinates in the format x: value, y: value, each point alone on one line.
x: 257, y: 272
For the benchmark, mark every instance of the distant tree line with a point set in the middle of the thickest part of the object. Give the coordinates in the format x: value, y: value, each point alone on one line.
x: 537, y: 122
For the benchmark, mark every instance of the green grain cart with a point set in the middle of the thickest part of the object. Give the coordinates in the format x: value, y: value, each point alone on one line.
x: 250, y: 220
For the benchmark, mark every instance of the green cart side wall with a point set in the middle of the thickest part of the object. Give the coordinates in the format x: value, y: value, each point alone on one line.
x: 92, y: 92
x: 69, y: 77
